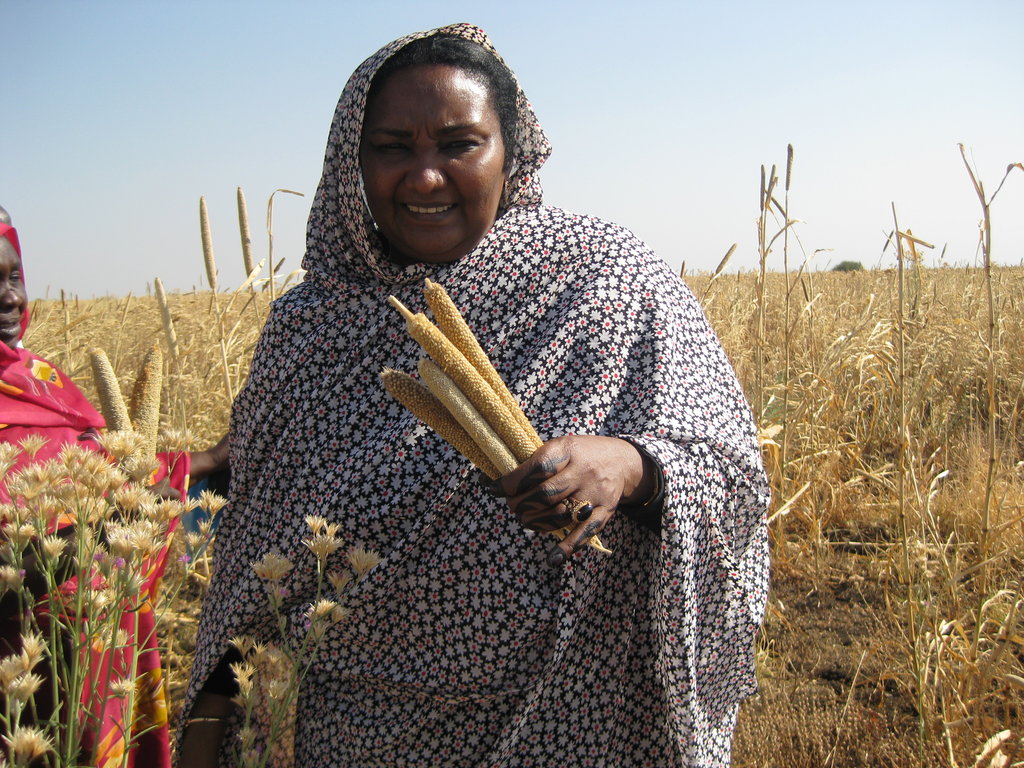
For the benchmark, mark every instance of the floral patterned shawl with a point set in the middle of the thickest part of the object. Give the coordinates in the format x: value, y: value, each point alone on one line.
x: 463, y: 648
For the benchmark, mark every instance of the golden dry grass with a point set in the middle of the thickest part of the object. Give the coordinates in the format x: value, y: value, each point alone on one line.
x: 888, y: 642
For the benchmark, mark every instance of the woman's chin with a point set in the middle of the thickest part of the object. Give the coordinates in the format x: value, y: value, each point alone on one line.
x: 9, y: 333
x: 426, y: 256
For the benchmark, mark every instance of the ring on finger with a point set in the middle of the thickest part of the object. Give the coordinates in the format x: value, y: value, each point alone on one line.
x: 578, y: 510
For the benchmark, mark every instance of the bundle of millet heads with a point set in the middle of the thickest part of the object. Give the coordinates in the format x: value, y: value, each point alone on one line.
x: 461, y: 396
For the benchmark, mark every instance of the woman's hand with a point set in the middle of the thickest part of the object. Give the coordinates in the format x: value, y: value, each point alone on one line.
x: 597, y: 472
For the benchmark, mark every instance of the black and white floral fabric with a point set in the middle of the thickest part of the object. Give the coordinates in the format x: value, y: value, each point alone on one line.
x: 463, y: 647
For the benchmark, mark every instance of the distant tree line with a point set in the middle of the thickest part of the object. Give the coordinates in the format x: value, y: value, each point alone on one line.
x: 848, y: 266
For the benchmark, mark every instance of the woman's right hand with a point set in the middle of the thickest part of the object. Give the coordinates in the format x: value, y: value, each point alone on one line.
x: 598, y: 471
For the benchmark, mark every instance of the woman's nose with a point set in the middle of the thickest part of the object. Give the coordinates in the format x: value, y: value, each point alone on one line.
x: 9, y: 298
x: 425, y: 176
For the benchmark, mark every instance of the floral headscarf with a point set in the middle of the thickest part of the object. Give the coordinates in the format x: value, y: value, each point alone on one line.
x: 341, y: 236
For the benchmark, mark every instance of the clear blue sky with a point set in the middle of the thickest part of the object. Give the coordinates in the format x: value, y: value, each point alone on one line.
x: 119, y: 115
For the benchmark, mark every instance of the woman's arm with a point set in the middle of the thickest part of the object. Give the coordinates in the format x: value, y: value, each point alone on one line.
x: 205, y: 463
x: 204, y: 730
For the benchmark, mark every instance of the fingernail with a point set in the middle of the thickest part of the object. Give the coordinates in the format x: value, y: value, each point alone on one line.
x: 556, y: 557
x: 584, y: 512
x: 491, y: 487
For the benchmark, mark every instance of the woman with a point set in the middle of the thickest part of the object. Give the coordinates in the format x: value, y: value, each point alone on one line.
x: 477, y: 642
x: 37, y: 400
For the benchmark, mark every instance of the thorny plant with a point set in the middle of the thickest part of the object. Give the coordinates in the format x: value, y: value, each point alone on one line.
x: 82, y: 539
x: 270, y: 675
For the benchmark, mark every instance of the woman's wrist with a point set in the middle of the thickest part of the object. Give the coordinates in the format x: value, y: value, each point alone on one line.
x: 644, y: 505
x: 647, y: 487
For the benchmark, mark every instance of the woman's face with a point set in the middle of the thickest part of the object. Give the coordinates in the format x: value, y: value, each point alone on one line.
x: 433, y: 163
x: 13, y: 298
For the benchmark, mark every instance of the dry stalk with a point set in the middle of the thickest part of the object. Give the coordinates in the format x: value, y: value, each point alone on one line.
x: 121, y: 329
x: 165, y: 316
x: 243, y: 231
x: 991, y: 339
x: 270, y: 238
x: 715, y: 274
x: 208, y: 258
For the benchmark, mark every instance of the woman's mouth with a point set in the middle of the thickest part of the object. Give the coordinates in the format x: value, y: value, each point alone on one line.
x: 10, y: 327
x: 428, y: 208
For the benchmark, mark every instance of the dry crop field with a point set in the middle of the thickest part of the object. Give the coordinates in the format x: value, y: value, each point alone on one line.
x: 892, y: 431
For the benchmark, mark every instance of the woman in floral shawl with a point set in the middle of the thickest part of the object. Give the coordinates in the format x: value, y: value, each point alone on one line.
x: 479, y: 640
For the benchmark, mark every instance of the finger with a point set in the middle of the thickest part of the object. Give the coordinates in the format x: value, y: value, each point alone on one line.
x: 577, y: 510
x: 547, y: 523
x: 578, y: 537
x: 491, y: 487
x: 532, y: 473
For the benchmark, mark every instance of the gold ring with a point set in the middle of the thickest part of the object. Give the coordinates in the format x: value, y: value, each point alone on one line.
x: 575, y: 506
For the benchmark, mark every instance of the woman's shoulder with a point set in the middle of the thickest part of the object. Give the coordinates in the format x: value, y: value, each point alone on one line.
x: 570, y: 224
x: 580, y: 244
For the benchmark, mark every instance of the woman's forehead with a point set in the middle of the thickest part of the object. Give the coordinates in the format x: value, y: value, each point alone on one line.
x: 9, y: 257
x: 440, y: 92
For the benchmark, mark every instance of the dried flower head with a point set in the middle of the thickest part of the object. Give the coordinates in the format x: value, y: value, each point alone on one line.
x: 321, y: 609
x: 132, y: 497
x: 33, y: 480
x: 122, y: 687
x: 141, y: 468
x: 178, y: 440
x: 211, y: 502
x: 242, y: 643
x: 322, y: 546
x: 363, y: 560
x: 278, y: 689
x: 121, y: 444
x: 339, y: 581
x: 28, y: 743
x: 272, y: 567
x: 166, y: 510
x: 33, y: 443
x: 33, y: 649
x: 24, y: 687
x: 54, y: 546
x: 11, y: 667
x: 19, y: 535
x: 243, y: 672
x: 316, y: 523
x: 10, y: 578
x: 9, y: 453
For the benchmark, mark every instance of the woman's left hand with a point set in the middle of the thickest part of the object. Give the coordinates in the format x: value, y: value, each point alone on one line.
x: 598, y: 472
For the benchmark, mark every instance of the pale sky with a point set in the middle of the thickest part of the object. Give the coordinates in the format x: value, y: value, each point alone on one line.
x: 118, y: 115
